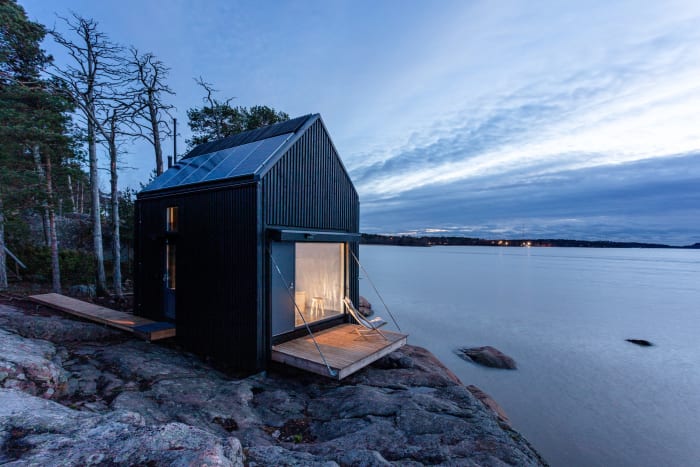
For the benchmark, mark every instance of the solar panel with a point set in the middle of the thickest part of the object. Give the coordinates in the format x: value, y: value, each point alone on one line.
x: 164, y: 178
x: 253, y: 162
x: 201, y: 167
x: 239, y: 139
x: 237, y: 161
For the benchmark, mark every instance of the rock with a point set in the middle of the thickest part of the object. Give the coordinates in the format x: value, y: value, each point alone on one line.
x: 409, y: 366
x: 53, y: 328
x: 148, y: 403
x: 41, y: 432
x: 145, y: 361
x: 361, y: 458
x: 82, y: 291
x: 27, y: 365
x: 281, y: 457
x: 365, y: 307
x: 488, y: 356
x: 489, y: 402
x: 364, y: 303
x: 640, y: 342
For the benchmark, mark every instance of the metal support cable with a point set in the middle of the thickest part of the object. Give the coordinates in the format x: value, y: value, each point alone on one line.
x: 286, y: 286
x: 375, y: 290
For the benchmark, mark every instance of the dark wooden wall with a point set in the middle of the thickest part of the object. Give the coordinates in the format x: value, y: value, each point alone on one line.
x: 309, y: 189
x: 217, y: 271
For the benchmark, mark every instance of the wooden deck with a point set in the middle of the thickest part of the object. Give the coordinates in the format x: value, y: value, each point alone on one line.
x: 346, y: 352
x: 143, y: 327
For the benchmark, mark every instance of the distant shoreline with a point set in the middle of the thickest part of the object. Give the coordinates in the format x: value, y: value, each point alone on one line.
x: 408, y: 240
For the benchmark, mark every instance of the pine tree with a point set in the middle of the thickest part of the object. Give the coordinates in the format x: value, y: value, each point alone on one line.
x: 219, y: 119
x: 33, y: 127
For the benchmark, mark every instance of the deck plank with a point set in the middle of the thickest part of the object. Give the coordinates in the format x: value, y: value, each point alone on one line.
x: 344, y: 349
x: 114, y: 318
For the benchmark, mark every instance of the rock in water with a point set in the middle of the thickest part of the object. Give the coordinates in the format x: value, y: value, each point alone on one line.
x: 364, y: 302
x: 365, y: 307
x: 488, y: 356
x: 641, y: 342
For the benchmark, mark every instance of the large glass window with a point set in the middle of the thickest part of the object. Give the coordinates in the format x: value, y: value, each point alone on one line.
x: 319, y: 280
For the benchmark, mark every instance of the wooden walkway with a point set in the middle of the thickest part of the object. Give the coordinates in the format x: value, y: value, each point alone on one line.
x: 143, y: 327
x: 346, y: 352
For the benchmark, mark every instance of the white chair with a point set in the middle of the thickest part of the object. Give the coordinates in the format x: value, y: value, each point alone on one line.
x: 369, y: 325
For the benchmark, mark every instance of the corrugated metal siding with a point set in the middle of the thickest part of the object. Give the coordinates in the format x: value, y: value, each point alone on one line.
x: 308, y: 188
x: 217, y: 280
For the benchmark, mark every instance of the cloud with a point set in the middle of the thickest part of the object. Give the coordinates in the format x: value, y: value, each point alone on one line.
x: 652, y: 200
x: 587, y: 121
x: 576, y: 150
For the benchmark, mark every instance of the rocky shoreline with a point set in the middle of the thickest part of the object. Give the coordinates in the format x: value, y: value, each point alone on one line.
x: 73, y: 392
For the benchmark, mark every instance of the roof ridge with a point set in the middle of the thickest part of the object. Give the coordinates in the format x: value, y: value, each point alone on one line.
x: 250, y: 136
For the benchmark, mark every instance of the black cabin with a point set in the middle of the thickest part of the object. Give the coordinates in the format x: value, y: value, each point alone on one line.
x: 247, y: 240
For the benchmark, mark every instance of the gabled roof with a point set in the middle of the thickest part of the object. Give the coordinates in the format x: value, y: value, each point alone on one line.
x: 241, y: 155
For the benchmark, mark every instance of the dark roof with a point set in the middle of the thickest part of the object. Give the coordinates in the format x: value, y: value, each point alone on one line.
x: 240, y: 155
x: 289, y: 126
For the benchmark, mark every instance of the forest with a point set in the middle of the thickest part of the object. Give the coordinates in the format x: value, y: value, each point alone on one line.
x: 59, y: 228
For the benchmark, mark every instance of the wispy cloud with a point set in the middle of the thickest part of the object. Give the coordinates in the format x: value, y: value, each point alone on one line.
x: 582, y: 121
x: 570, y: 139
x: 649, y: 200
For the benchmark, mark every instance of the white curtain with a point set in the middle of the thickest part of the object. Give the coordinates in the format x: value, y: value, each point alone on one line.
x: 319, y: 273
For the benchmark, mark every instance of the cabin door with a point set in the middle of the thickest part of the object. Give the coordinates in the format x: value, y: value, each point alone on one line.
x: 282, y: 287
x: 169, y: 279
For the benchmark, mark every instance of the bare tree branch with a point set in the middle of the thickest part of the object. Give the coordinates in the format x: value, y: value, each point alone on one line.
x: 92, y: 81
x: 149, y: 75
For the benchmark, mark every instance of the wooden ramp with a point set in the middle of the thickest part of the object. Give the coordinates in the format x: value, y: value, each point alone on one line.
x: 346, y: 352
x: 143, y: 327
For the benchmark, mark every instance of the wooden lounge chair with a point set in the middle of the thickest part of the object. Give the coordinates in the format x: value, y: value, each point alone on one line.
x: 369, y: 325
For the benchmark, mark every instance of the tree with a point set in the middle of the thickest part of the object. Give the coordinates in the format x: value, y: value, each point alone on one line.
x: 33, y: 122
x: 93, y: 77
x: 116, y: 118
x: 261, y: 115
x: 218, y: 119
x: 20, y: 57
x: 149, y: 75
x: 127, y: 200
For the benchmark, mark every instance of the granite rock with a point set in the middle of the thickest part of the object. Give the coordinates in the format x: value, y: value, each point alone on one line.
x: 128, y: 402
x: 35, y: 431
x: 28, y: 365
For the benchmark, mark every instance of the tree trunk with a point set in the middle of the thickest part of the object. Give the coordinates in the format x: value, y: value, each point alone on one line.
x: 55, y: 263
x: 81, y: 200
x: 101, y: 286
x: 36, y: 154
x: 116, y: 241
x: 73, y: 201
x: 153, y: 113
x: 53, y: 236
x: 3, y: 259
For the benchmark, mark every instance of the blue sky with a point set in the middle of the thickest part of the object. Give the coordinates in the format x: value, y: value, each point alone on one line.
x: 490, y: 119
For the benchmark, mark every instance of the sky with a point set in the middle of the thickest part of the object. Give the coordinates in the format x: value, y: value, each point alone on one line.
x: 505, y: 119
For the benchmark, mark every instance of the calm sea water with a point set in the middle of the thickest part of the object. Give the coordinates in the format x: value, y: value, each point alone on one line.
x: 581, y: 394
